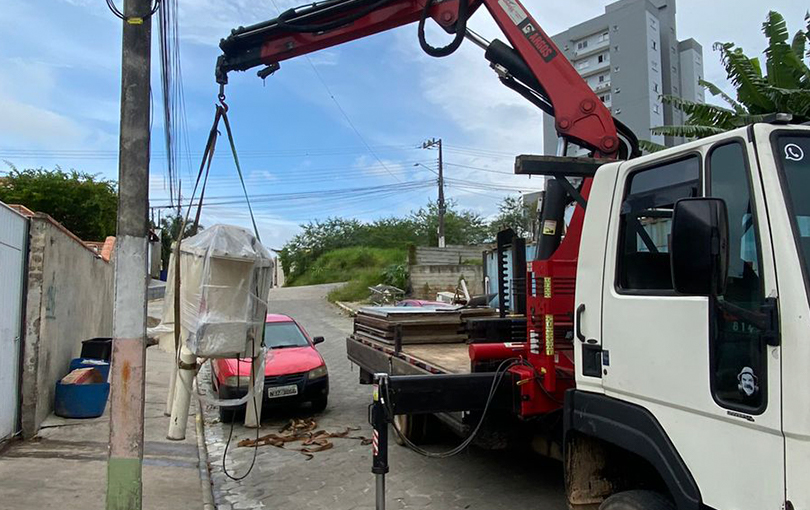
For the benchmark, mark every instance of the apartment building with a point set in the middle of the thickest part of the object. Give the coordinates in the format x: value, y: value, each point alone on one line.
x: 630, y: 56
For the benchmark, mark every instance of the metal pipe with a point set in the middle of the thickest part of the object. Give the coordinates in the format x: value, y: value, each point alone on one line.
x: 476, y: 39
x: 380, y: 495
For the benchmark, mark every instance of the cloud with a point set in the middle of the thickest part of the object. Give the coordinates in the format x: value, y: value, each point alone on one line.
x: 31, y: 125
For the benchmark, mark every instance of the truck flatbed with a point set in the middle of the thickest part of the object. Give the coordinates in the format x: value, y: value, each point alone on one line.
x: 443, y: 358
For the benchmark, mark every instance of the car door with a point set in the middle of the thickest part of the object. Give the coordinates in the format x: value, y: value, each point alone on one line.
x: 694, y: 362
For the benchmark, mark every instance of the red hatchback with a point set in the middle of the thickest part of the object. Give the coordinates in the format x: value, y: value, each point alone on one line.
x: 294, y: 371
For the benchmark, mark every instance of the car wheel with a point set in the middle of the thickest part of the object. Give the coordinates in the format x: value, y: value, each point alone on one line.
x: 319, y: 405
x: 637, y: 500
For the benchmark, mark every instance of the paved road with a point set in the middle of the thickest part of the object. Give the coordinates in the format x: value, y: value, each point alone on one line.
x: 341, y: 479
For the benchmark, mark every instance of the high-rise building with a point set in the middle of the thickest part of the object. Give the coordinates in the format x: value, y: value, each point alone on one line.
x: 630, y: 56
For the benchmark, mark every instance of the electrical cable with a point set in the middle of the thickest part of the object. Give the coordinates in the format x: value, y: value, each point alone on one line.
x: 496, y: 381
x: 135, y: 20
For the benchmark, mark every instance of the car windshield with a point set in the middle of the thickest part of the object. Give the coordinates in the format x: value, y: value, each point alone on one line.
x: 793, y: 155
x: 278, y: 335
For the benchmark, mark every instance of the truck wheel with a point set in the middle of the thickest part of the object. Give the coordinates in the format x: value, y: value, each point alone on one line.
x: 637, y: 500
x: 412, y: 426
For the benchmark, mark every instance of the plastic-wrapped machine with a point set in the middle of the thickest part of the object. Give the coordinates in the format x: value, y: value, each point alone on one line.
x: 225, y: 279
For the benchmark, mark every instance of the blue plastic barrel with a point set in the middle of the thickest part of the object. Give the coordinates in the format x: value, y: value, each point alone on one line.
x: 102, y: 366
x: 81, y: 400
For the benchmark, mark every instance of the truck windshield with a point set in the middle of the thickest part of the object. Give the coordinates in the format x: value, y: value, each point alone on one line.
x: 793, y: 155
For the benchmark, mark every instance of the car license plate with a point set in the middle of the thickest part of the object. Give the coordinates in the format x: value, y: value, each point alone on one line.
x: 282, y: 391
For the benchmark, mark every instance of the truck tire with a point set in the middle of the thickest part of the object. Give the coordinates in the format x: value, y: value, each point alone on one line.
x: 637, y: 500
x: 412, y: 426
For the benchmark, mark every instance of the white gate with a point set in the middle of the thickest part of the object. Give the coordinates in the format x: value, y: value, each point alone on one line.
x: 13, y: 236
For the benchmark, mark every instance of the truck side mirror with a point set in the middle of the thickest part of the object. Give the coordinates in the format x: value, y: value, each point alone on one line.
x: 699, y: 246
x: 317, y: 340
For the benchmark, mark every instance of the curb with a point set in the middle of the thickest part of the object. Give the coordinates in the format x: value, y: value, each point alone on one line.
x: 202, y: 451
x: 346, y: 308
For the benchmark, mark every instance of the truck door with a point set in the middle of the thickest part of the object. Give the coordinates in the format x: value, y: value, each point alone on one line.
x: 703, y: 371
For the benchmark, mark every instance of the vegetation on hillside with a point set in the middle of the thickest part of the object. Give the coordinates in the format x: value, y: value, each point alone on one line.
x: 85, y: 204
x: 783, y: 88
x: 418, y: 228
x: 366, y: 254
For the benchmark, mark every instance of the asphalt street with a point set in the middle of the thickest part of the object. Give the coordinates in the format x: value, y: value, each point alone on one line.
x: 340, y: 478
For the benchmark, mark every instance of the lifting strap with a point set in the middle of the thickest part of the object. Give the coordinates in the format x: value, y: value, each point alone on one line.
x: 221, y: 113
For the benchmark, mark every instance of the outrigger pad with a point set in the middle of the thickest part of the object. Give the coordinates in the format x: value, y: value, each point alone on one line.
x: 558, y: 166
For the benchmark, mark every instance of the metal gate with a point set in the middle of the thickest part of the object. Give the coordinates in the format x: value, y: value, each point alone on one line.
x: 13, y: 237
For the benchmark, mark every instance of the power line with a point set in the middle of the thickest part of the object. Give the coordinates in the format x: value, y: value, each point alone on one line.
x: 346, y: 116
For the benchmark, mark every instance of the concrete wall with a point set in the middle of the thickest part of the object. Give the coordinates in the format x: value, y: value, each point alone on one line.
x: 69, y: 299
x: 447, y: 255
x: 427, y: 280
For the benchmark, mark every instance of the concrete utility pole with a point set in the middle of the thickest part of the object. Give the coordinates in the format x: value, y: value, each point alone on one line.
x: 442, y: 206
x: 124, y: 468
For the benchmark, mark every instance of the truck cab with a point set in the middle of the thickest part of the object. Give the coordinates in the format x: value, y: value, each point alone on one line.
x: 706, y: 385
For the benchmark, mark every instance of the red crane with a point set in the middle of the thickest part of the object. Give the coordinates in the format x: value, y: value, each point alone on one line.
x: 532, y: 65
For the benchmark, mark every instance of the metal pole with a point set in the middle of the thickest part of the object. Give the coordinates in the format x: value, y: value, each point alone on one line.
x: 442, y: 206
x: 124, y: 467
x: 379, y: 439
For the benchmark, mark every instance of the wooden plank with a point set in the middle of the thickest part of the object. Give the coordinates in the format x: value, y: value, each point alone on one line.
x: 452, y: 358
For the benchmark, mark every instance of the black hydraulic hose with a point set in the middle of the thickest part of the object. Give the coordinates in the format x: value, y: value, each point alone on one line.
x: 283, y: 20
x: 461, y: 30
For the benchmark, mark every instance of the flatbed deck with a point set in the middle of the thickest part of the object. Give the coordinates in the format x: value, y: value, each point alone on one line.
x: 374, y: 356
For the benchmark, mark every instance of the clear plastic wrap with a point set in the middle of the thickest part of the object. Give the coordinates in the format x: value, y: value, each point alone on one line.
x: 225, y: 279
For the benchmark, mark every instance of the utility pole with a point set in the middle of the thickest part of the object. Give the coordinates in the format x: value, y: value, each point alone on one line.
x: 124, y: 466
x: 441, y: 204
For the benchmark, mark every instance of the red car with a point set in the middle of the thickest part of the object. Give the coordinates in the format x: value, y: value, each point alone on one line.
x: 294, y: 371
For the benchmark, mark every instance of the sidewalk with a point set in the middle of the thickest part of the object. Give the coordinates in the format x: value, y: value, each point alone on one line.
x: 66, y: 465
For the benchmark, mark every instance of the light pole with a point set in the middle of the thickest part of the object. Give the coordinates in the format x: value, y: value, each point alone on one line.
x: 429, y: 144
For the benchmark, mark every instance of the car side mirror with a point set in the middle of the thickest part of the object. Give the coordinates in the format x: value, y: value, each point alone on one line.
x: 318, y: 340
x: 699, y: 246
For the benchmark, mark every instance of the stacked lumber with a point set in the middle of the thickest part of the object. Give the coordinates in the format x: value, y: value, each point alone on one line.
x: 415, y: 325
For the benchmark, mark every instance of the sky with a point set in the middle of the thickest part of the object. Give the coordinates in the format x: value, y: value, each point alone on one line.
x: 336, y: 134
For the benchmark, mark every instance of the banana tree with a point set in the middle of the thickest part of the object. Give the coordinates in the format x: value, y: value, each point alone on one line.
x: 785, y: 88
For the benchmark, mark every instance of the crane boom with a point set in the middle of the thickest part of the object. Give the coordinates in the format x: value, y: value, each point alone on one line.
x: 533, y: 58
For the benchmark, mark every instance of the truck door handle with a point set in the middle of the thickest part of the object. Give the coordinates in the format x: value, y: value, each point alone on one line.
x: 580, y: 311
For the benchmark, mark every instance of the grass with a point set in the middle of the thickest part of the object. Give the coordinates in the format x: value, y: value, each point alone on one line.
x: 360, y: 267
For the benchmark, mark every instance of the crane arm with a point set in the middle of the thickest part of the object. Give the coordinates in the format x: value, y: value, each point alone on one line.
x: 533, y: 59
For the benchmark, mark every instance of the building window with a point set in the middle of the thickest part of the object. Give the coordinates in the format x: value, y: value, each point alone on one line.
x: 674, y: 69
x: 654, y: 65
x: 617, y: 91
x: 616, y: 48
x: 602, y: 79
x: 583, y: 64
x: 674, y: 89
x: 618, y: 111
x: 656, y: 87
x: 582, y: 45
x: 615, y: 28
x: 604, y: 36
x: 617, y: 69
x: 605, y: 57
x: 673, y: 49
x: 654, y: 45
x: 656, y: 108
x: 605, y: 98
